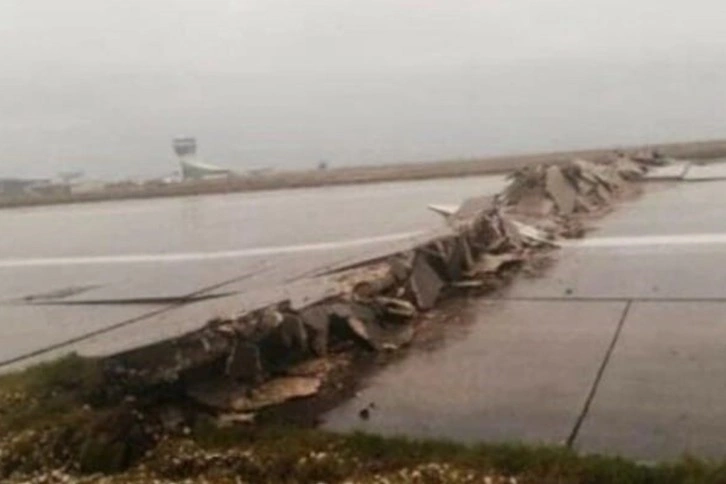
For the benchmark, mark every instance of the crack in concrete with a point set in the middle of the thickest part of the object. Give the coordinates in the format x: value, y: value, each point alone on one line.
x: 136, y: 300
x: 598, y: 377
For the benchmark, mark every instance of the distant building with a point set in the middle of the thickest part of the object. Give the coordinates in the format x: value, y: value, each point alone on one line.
x: 192, y: 168
x: 87, y: 186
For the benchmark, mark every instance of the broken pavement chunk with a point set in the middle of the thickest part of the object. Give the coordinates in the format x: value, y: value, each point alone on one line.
x: 603, y: 193
x: 629, y: 169
x: 396, y: 307
x: 512, y: 233
x: 379, y: 337
x: 561, y: 190
x: 458, y: 258
x: 586, y: 170
x: 275, y: 392
x: 491, y: 263
x: 360, y: 330
x: 292, y: 333
x: 535, y: 204
x: 318, y: 367
x: 425, y: 284
x: 224, y: 394
x: 533, y: 234
x: 269, y: 319
x: 401, y: 265
x: 243, y: 363
x: 317, y: 321
x: 285, y: 344
x: 471, y: 208
x: 375, y: 285
x: 364, y: 325
x: 226, y: 420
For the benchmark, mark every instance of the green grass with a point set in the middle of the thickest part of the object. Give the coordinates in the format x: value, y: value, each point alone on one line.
x: 366, y: 454
x: 48, y: 392
x: 60, y: 412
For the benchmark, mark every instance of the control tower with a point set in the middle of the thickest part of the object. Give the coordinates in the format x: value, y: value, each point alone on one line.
x: 192, y: 168
x: 185, y: 147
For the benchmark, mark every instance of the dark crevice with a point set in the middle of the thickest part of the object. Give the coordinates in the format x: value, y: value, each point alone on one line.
x: 136, y: 300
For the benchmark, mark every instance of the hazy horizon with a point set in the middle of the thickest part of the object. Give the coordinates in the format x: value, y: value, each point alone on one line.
x: 103, y: 86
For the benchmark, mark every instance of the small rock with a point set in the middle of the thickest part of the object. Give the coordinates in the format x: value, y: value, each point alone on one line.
x: 231, y: 419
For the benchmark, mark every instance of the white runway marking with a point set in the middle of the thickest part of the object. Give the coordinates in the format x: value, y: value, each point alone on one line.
x: 646, y: 240
x: 196, y: 256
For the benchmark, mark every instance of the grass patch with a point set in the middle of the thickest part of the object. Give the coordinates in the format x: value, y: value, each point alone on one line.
x: 65, y: 413
x: 49, y: 392
x: 364, y: 455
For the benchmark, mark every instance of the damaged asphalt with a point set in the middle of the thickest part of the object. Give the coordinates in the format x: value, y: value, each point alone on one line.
x: 209, y: 224
x: 543, y: 362
x: 241, y: 362
x: 559, y: 359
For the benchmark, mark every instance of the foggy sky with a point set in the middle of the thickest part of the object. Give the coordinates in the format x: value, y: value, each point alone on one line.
x: 103, y: 85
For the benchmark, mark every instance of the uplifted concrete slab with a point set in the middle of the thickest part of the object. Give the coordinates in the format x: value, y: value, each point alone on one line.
x: 561, y: 190
x: 715, y: 171
x: 662, y: 393
x: 673, y: 171
x: 519, y: 371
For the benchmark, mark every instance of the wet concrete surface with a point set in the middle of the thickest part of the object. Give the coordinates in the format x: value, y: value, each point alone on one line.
x: 662, y: 394
x: 164, y: 248
x: 506, y: 376
x: 669, y: 209
x: 519, y: 369
x: 231, y: 222
x: 529, y: 359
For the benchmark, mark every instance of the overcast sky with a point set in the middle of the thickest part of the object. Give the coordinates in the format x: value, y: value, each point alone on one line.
x: 103, y: 85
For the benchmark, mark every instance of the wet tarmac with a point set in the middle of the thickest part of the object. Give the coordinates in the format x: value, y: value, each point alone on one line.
x: 618, y: 350
x: 241, y: 246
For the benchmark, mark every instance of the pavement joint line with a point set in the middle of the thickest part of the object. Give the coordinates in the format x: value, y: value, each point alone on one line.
x: 607, y: 299
x: 128, y: 322
x: 598, y: 377
x: 134, y: 301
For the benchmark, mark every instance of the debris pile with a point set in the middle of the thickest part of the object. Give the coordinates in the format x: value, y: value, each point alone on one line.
x: 277, y: 353
x: 237, y: 366
x: 573, y: 188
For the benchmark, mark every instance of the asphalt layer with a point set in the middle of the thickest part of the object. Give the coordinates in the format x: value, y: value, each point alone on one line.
x: 618, y: 349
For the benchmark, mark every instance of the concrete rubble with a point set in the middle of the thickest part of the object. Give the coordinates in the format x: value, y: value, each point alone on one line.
x: 278, y: 353
x: 577, y: 187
